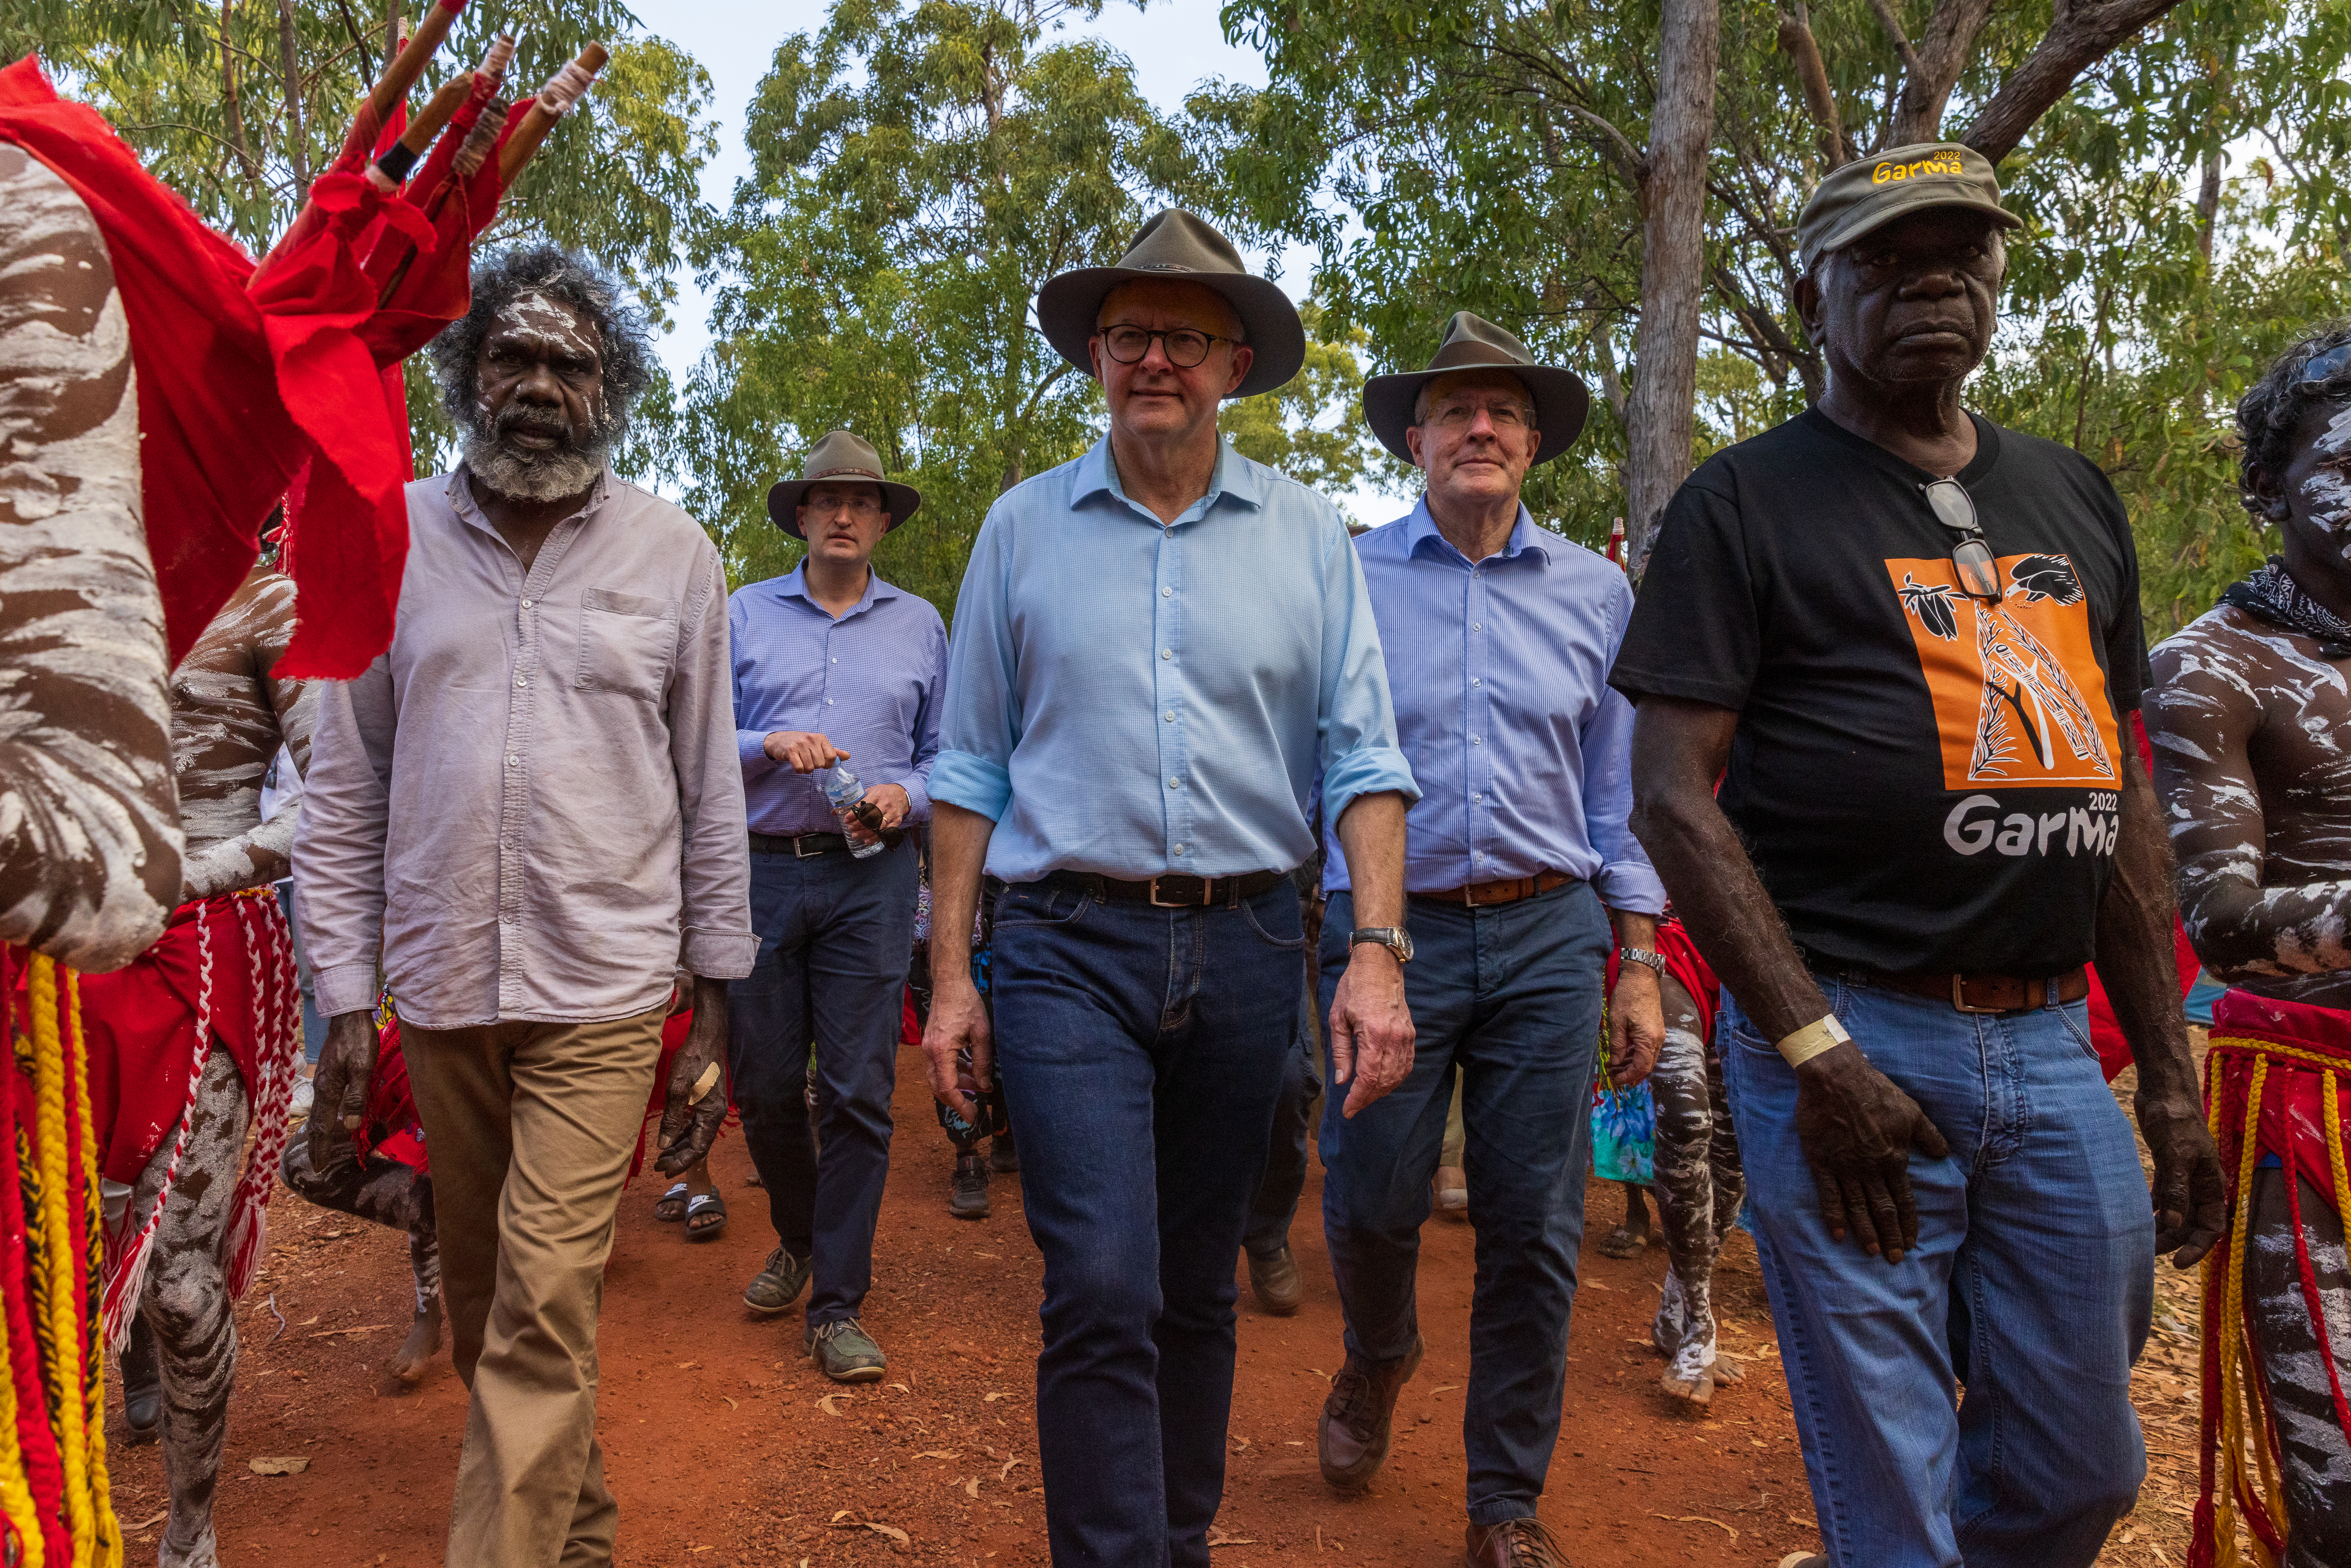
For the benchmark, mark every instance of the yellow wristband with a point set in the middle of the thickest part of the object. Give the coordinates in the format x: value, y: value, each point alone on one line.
x: 1824, y: 1034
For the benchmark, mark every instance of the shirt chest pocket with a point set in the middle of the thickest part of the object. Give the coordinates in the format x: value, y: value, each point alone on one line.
x: 627, y: 642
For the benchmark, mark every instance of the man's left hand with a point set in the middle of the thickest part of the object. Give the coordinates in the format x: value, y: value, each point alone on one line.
x: 890, y: 800
x: 1636, y: 1025
x: 689, y: 1126
x: 2191, y: 1200
x: 1370, y: 1026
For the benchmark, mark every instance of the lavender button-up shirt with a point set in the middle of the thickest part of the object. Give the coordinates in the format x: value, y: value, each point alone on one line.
x: 531, y: 800
x: 1499, y: 668
x: 868, y: 682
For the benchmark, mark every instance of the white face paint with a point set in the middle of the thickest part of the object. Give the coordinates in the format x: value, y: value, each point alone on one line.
x: 546, y: 325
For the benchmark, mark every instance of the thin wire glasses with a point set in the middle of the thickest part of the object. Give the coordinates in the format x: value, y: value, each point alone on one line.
x: 1186, y: 347
x: 1979, y: 572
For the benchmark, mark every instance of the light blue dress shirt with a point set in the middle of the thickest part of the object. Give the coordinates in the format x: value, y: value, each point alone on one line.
x: 1500, y: 670
x: 1129, y: 698
x: 868, y: 682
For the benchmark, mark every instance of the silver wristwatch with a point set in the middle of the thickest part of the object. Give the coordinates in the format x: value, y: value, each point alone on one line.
x: 1394, y: 939
x: 1647, y: 957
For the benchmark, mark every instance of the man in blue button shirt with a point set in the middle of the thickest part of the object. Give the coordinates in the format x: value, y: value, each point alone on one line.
x: 831, y: 662
x: 1499, y: 636
x: 1157, y: 647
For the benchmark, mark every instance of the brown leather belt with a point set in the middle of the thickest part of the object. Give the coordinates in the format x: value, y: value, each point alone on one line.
x: 1986, y: 993
x: 1478, y: 895
x: 1171, y: 890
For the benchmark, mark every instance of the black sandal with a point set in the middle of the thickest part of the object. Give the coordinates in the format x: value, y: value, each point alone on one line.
x: 701, y: 1206
x: 671, y: 1206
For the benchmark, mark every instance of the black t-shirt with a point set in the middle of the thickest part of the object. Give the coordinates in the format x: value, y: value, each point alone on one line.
x: 1926, y: 783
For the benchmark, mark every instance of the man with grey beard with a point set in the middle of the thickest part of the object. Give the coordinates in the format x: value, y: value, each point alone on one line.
x: 531, y: 806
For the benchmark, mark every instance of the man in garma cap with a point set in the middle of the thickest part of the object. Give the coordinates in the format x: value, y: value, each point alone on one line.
x: 1498, y: 635
x: 1158, y: 646
x: 834, y: 668
x: 1913, y: 638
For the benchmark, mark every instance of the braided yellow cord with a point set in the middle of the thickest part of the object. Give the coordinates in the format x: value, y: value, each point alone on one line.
x: 67, y: 1413
x: 2277, y: 1052
x: 2238, y: 1401
x: 2335, y: 1147
x: 15, y: 1493
x: 108, y: 1552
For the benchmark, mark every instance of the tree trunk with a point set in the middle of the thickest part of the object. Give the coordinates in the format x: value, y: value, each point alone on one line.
x: 297, y: 149
x: 1662, y: 412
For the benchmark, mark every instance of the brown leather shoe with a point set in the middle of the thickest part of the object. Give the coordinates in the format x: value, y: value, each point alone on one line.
x: 1515, y: 1543
x: 1273, y: 1279
x: 1352, y: 1438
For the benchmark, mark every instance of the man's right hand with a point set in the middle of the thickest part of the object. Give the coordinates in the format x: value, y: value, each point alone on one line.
x: 804, y: 751
x: 340, y: 1087
x: 959, y: 1020
x: 1857, y: 1129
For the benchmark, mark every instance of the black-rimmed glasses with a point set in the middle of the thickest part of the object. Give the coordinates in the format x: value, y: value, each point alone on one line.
x: 1979, y: 572
x: 1186, y: 347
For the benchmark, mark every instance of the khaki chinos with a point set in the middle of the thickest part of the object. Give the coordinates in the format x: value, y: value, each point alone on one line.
x: 531, y: 1127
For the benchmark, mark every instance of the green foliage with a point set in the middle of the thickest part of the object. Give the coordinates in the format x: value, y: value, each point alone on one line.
x: 618, y: 180
x: 1488, y: 151
x: 1311, y: 429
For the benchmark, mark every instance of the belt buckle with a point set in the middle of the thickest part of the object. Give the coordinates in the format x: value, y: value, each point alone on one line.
x: 1960, y: 997
x: 1207, y: 885
x: 800, y: 854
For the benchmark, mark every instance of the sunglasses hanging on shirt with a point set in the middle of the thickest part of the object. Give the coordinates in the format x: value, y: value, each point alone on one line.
x: 1979, y: 572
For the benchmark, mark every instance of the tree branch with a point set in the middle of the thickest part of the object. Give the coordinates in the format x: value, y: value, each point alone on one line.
x: 229, y: 97
x: 1797, y: 42
x: 1902, y: 46
x: 2083, y: 34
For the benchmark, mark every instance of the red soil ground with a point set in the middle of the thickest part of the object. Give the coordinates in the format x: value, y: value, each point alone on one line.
x: 722, y: 1451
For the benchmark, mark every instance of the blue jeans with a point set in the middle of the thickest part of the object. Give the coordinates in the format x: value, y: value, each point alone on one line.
x: 835, y: 937
x: 1276, y: 1204
x: 1508, y: 996
x: 2031, y: 1285
x: 1142, y: 1051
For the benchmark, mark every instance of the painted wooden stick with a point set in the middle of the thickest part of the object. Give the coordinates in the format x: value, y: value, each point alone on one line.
x: 554, y: 101
x: 410, y: 63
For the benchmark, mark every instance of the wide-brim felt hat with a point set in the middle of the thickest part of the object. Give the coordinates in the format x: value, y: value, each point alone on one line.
x: 1473, y: 344
x: 841, y: 457
x: 1177, y: 246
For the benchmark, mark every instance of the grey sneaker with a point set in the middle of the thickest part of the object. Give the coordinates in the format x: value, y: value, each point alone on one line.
x: 778, y: 1284
x: 844, y: 1351
x: 967, y: 1196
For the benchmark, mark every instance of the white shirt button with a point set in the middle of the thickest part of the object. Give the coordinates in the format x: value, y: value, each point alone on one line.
x: 1166, y: 593
x: 1167, y: 652
x: 1174, y: 783
x: 1481, y: 854
x: 520, y: 683
x: 827, y: 702
x: 1476, y: 741
x: 1476, y: 681
x: 1179, y: 849
x: 1170, y: 716
x: 834, y: 661
x: 526, y: 603
x: 1476, y: 797
x: 512, y: 760
x: 1477, y: 626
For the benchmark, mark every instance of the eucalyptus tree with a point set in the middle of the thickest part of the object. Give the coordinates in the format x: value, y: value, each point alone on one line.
x: 238, y: 104
x: 1514, y: 157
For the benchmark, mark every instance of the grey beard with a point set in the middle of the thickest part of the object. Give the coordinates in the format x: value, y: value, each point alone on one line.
x: 548, y: 475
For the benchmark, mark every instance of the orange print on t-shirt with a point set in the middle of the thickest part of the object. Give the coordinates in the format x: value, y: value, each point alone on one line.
x: 2019, y: 696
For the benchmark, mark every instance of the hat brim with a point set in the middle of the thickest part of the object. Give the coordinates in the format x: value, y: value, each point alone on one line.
x: 1865, y: 219
x: 1069, y: 305
x: 1562, y: 402
x: 784, y: 499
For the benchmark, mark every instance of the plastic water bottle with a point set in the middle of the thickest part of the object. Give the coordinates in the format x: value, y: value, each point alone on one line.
x: 842, y: 789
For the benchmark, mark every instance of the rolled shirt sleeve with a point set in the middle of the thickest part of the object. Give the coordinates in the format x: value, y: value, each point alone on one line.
x: 714, y: 918
x: 1626, y: 881
x: 339, y: 843
x: 1358, y: 753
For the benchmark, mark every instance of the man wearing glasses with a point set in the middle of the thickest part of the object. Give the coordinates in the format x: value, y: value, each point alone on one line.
x: 1912, y: 638
x: 1499, y: 636
x: 1157, y: 647
x: 833, y: 667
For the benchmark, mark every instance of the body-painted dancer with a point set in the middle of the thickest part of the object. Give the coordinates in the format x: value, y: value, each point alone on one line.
x: 196, y: 1042
x: 2252, y: 727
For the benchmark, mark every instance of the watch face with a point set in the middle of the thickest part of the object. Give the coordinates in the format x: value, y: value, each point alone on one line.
x: 1403, y: 945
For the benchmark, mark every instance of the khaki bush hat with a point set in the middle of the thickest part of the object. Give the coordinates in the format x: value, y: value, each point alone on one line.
x: 1473, y: 344
x: 840, y: 455
x: 1179, y: 246
x: 1870, y: 193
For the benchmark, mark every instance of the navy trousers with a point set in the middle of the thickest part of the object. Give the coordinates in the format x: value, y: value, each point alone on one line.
x: 1508, y: 997
x: 835, y: 936
x: 1276, y: 1204
x: 1142, y: 1051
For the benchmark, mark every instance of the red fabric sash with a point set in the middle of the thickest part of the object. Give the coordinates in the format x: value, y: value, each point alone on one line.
x: 1684, y: 963
x: 2293, y: 1123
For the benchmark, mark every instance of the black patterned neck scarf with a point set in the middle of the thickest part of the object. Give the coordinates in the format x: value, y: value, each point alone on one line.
x: 2271, y: 594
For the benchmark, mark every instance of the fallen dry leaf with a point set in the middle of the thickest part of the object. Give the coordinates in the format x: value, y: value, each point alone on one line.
x: 1218, y: 1538
x: 687, y: 1365
x: 730, y: 1404
x: 994, y: 1398
x: 1007, y: 1469
x: 152, y: 1520
x: 935, y: 1454
x: 891, y: 1530
x: 824, y: 1402
x: 364, y: 1328
x: 902, y: 1388
x: 293, y: 1465
x: 1445, y: 1388
x: 971, y: 1488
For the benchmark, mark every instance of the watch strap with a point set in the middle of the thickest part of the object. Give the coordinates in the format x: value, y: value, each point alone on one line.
x: 1647, y: 957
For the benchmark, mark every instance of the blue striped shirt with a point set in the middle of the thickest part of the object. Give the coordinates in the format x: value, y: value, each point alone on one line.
x: 1129, y: 698
x: 869, y: 683
x: 1499, y: 668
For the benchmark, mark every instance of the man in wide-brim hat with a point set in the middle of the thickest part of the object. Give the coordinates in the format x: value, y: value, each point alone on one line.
x: 1158, y: 646
x: 833, y: 667
x: 1499, y: 637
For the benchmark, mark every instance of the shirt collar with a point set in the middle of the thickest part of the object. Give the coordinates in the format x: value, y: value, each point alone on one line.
x: 1234, y: 477
x: 1421, y: 537
x: 460, y: 496
x: 793, y: 584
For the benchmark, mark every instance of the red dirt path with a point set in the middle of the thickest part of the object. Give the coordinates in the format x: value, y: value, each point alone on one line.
x: 721, y: 1453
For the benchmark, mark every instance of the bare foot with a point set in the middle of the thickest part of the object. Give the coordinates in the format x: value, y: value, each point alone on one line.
x: 1698, y: 1390
x: 424, y: 1342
